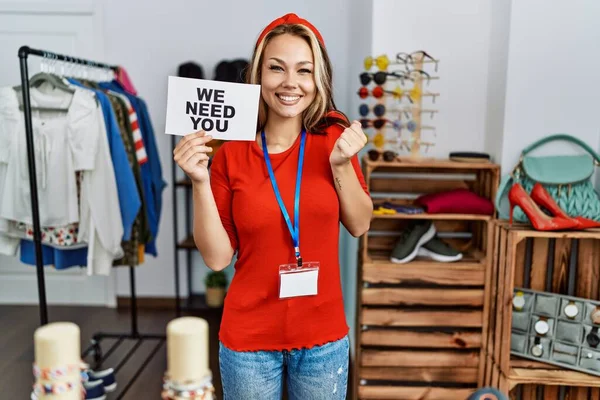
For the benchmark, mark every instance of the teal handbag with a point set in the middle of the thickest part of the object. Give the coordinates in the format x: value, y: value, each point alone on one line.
x: 566, y: 178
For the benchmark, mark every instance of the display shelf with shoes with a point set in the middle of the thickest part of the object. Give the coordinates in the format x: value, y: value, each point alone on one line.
x: 422, y: 279
x: 402, y: 241
x: 554, y: 262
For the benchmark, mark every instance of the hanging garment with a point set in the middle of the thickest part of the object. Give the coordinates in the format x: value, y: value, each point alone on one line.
x: 129, y: 198
x: 140, y: 149
x: 140, y: 231
x: 100, y: 211
x: 56, y: 165
x: 59, y: 237
x: 8, y: 120
x: 154, y: 183
x: 62, y: 244
x: 63, y: 143
x: 60, y: 259
x: 61, y: 247
x: 130, y: 257
x: 81, y: 145
x: 123, y: 78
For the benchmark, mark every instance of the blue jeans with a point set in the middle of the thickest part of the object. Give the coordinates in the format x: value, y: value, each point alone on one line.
x: 318, y: 373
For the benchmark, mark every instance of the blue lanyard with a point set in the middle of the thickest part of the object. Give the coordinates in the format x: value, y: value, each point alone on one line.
x: 295, y: 230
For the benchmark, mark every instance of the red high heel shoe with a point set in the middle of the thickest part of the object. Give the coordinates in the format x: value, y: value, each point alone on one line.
x: 543, y: 198
x: 517, y: 196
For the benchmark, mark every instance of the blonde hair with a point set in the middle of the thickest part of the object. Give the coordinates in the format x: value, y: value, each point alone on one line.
x: 314, y: 118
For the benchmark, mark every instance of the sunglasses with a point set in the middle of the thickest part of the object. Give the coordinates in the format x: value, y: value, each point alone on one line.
x: 383, y: 61
x: 378, y: 110
x: 380, y: 77
x: 410, y: 126
x: 375, y: 123
x: 411, y: 58
x: 410, y: 73
x: 388, y: 155
x: 377, y: 92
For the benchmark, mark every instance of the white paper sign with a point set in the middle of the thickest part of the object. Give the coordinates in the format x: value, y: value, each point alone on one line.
x: 225, y: 110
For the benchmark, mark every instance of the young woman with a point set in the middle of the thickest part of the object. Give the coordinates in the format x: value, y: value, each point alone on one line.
x: 278, y: 202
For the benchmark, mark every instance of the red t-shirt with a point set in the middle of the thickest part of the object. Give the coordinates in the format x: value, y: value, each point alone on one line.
x: 254, y: 317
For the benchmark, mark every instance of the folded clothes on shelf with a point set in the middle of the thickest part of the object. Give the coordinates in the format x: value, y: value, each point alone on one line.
x: 388, y: 208
x: 457, y: 201
x: 404, y: 208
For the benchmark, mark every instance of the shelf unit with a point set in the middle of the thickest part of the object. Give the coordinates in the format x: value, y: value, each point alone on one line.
x: 457, y: 217
x: 421, y: 325
x: 185, y: 243
x: 538, y: 260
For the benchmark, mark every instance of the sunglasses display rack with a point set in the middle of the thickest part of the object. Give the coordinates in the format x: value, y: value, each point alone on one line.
x: 404, y: 81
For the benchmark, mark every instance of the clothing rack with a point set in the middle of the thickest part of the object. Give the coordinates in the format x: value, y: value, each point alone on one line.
x: 94, y: 348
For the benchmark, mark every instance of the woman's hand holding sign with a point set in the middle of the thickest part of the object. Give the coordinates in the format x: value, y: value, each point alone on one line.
x: 191, y: 156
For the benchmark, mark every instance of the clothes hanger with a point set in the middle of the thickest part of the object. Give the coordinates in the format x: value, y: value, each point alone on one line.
x: 50, y: 77
x: 46, y: 76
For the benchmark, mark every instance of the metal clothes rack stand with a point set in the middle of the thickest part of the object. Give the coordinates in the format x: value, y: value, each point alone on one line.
x: 99, y: 358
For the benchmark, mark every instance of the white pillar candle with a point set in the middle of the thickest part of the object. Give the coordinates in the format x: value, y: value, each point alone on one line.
x: 187, y: 350
x: 57, y: 345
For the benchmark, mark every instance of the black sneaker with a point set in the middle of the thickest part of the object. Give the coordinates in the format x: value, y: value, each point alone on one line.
x: 439, y: 250
x: 413, y: 237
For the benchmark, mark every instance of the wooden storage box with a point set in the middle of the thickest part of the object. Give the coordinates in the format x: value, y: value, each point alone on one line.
x: 536, y: 260
x: 421, y: 325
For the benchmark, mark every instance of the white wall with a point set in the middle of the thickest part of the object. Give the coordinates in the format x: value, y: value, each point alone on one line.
x: 496, y: 80
x: 457, y: 33
x: 359, y: 45
x: 553, y: 75
x: 206, y: 32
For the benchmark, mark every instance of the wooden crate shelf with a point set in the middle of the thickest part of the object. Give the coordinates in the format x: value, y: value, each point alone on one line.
x: 415, y: 358
x: 457, y: 217
x: 546, y: 376
x: 420, y: 339
x: 425, y: 164
x: 420, y: 325
x: 412, y: 393
x: 377, y: 248
x: 420, y: 374
x: 460, y: 273
x: 421, y: 318
x: 548, y: 256
x: 379, y: 256
x: 420, y: 297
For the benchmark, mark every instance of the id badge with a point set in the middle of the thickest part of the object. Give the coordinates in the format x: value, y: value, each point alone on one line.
x: 295, y: 281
